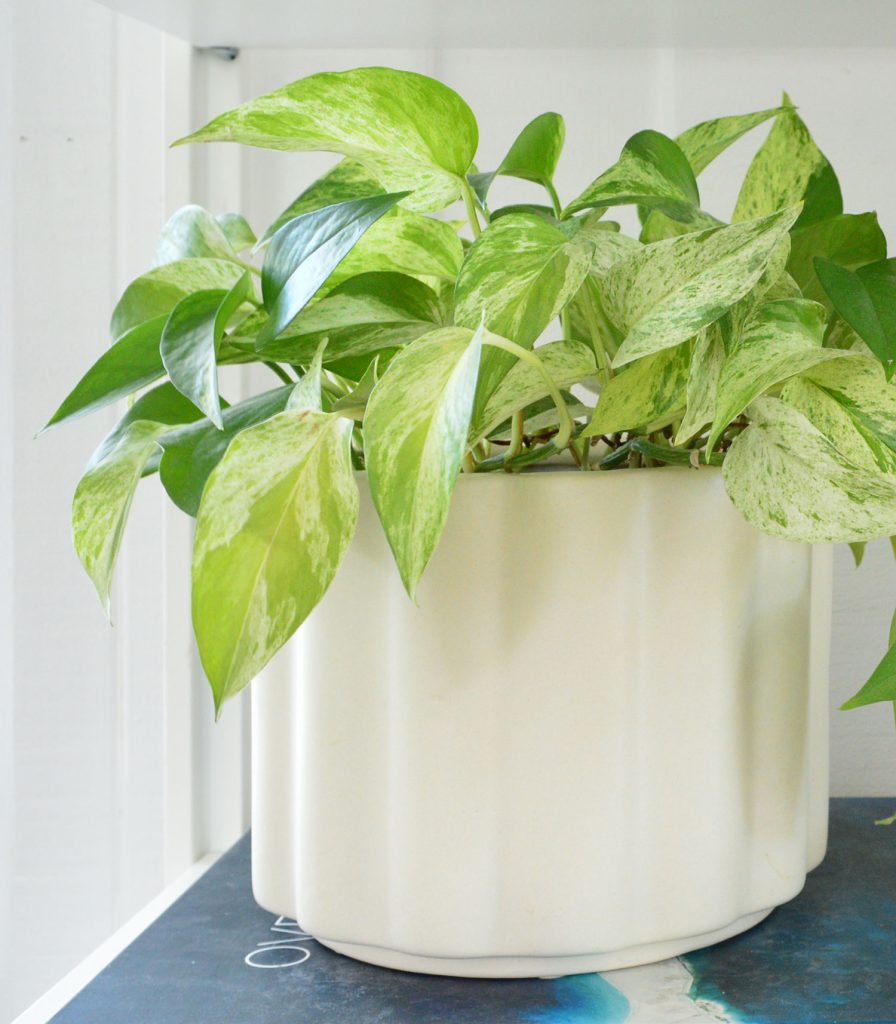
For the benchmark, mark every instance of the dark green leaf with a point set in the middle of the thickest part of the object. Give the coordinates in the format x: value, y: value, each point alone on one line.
x: 849, y: 239
x: 305, y: 251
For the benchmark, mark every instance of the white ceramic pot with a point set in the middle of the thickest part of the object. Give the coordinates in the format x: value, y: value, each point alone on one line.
x: 600, y: 740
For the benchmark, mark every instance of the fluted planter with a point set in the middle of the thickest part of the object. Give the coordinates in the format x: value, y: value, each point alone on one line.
x: 600, y: 740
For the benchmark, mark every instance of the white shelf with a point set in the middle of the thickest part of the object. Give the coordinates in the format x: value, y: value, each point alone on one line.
x: 397, y: 24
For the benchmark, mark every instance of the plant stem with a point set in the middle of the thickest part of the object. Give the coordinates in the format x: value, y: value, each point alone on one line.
x: 555, y: 199
x: 278, y: 369
x: 516, y: 436
x: 528, y: 356
x: 472, y: 216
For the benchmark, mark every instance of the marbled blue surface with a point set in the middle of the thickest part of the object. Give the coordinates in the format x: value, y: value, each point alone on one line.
x: 217, y: 958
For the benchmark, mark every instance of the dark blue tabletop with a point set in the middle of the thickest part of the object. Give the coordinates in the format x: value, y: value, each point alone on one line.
x: 216, y: 958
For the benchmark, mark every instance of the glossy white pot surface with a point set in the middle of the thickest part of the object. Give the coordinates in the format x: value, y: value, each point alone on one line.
x: 600, y: 740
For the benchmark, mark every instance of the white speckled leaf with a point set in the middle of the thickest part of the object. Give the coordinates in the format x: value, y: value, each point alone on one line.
x: 652, y: 172
x: 275, y: 519
x: 158, y: 291
x: 650, y: 392
x: 415, y: 432
x: 103, y: 498
x: 192, y: 232
x: 860, y: 386
x: 567, y: 362
x: 669, y: 290
x: 409, y: 131
x: 406, y: 243
x: 703, y: 383
x: 702, y: 143
x: 787, y: 169
x: 780, y: 339
x: 789, y: 480
x: 519, y: 274
x: 846, y: 433
x: 307, y: 393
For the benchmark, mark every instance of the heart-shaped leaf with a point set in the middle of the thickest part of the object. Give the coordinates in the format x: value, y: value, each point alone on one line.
x: 131, y: 363
x: 651, y: 171
x: 850, y: 240
x: 193, y: 232
x: 158, y: 291
x: 702, y: 143
x: 415, y: 432
x: 411, y: 132
x: 778, y: 341
x: 651, y: 392
x: 532, y: 157
x: 276, y: 517
x: 190, y: 339
x: 364, y: 314
x: 237, y: 231
x: 519, y: 274
x: 306, y: 250
x: 788, y: 479
x: 789, y: 168
x: 667, y: 291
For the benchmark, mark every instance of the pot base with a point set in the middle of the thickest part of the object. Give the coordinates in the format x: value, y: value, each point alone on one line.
x: 540, y: 966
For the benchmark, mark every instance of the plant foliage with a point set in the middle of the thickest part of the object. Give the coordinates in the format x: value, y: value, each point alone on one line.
x: 762, y: 340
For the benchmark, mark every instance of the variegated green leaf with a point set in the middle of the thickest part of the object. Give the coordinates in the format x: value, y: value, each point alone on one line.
x: 669, y: 290
x: 701, y: 145
x: 651, y: 172
x: 354, y: 404
x: 789, y: 480
x: 158, y: 291
x: 307, y: 393
x: 846, y: 433
x: 532, y: 157
x: 866, y: 300
x: 193, y: 232
x: 190, y: 339
x: 850, y: 240
x: 779, y: 340
x: 543, y: 415
x: 190, y: 453
x: 362, y: 315
x: 306, y: 250
x: 703, y: 383
x: 649, y: 393
x: 859, y: 385
x: 519, y: 274
x: 411, y: 132
x: 567, y: 362
x: 237, y: 231
x: 103, y: 498
x: 276, y: 517
x: 709, y: 139
x: 415, y: 432
x: 404, y: 242
x: 789, y: 168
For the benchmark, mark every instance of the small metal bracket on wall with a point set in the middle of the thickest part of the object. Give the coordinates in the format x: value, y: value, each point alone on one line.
x: 221, y: 52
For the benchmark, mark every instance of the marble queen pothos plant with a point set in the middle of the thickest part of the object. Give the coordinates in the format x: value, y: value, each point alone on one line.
x: 398, y: 346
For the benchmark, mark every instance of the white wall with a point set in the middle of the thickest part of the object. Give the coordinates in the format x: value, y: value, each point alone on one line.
x: 107, y: 751
x: 605, y: 95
